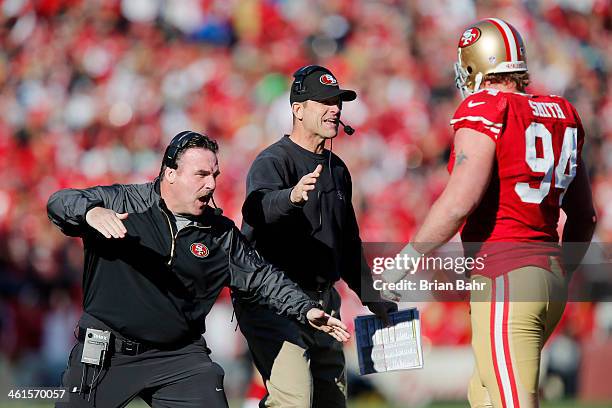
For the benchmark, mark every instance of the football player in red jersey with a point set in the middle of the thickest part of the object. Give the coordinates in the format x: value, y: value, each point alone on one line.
x: 516, y: 161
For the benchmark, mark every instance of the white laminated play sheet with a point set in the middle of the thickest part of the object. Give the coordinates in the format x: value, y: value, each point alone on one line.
x: 397, y: 347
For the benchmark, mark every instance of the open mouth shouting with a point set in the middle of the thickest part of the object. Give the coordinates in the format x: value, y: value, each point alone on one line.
x: 331, y: 122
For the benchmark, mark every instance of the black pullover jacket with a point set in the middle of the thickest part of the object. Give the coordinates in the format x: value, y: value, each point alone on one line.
x: 157, y: 285
x: 317, y: 243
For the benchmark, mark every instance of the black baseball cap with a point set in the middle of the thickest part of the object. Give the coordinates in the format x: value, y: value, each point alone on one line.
x: 317, y: 83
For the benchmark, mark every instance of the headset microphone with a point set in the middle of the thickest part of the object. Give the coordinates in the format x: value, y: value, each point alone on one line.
x: 217, y: 211
x: 347, y: 129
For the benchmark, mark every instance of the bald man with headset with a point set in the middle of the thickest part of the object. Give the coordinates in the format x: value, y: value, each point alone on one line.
x: 157, y: 256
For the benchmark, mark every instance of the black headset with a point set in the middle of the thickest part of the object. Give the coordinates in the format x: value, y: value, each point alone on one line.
x: 302, y: 73
x: 299, y: 88
x: 176, y: 145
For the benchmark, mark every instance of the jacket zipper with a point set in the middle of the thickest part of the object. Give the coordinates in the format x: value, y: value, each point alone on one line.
x: 173, y: 239
x: 173, y: 235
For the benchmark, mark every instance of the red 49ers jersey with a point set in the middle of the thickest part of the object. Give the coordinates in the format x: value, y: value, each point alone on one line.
x: 538, y: 141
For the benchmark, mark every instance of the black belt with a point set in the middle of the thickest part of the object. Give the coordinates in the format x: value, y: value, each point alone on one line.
x: 122, y: 345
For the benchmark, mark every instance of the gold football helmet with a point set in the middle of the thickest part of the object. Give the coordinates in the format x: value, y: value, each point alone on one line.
x: 487, y: 47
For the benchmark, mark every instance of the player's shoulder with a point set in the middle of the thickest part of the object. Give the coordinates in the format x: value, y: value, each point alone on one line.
x: 492, y: 97
x: 485, y: 100
x: 487, y: 95
x: 487, y: 106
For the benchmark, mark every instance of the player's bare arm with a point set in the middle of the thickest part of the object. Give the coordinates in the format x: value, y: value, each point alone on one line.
x: 461, y: 157
x: 464, y: 190
x: 466, y: 186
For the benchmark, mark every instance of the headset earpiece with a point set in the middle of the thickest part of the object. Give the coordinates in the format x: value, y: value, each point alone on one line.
x: 302, y: 73
x: 176, y: 144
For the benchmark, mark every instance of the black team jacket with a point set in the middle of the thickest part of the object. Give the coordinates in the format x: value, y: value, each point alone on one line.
x: 157, y: 285
x: 317, y: 243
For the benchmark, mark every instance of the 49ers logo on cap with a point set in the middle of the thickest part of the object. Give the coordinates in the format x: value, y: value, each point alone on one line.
x: 469, y: 37
x: 327, y: 79
x: 198, y: 249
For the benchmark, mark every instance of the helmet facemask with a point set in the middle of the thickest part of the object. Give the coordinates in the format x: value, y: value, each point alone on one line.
x: 462, y: 79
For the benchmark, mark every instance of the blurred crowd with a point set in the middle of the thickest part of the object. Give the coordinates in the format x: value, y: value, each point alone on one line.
x: 92, y: 91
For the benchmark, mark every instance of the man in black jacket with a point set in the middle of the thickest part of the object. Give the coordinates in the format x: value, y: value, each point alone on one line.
x: 298, y: 214
x: 156, y: 257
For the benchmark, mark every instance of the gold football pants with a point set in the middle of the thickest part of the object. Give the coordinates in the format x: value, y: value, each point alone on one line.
x: 511, y: 320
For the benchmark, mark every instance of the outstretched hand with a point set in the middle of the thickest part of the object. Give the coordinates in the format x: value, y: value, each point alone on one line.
x: 107, y: 222
x: 328, y: 324
x: 299, y: 193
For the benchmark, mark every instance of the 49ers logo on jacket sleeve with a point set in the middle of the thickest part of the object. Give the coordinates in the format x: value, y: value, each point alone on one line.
x: 327, y: 79
x: 469, y: 37
x: 198, y: 249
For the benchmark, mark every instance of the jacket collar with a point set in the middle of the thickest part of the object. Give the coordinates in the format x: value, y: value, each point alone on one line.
x: 157, y: 187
